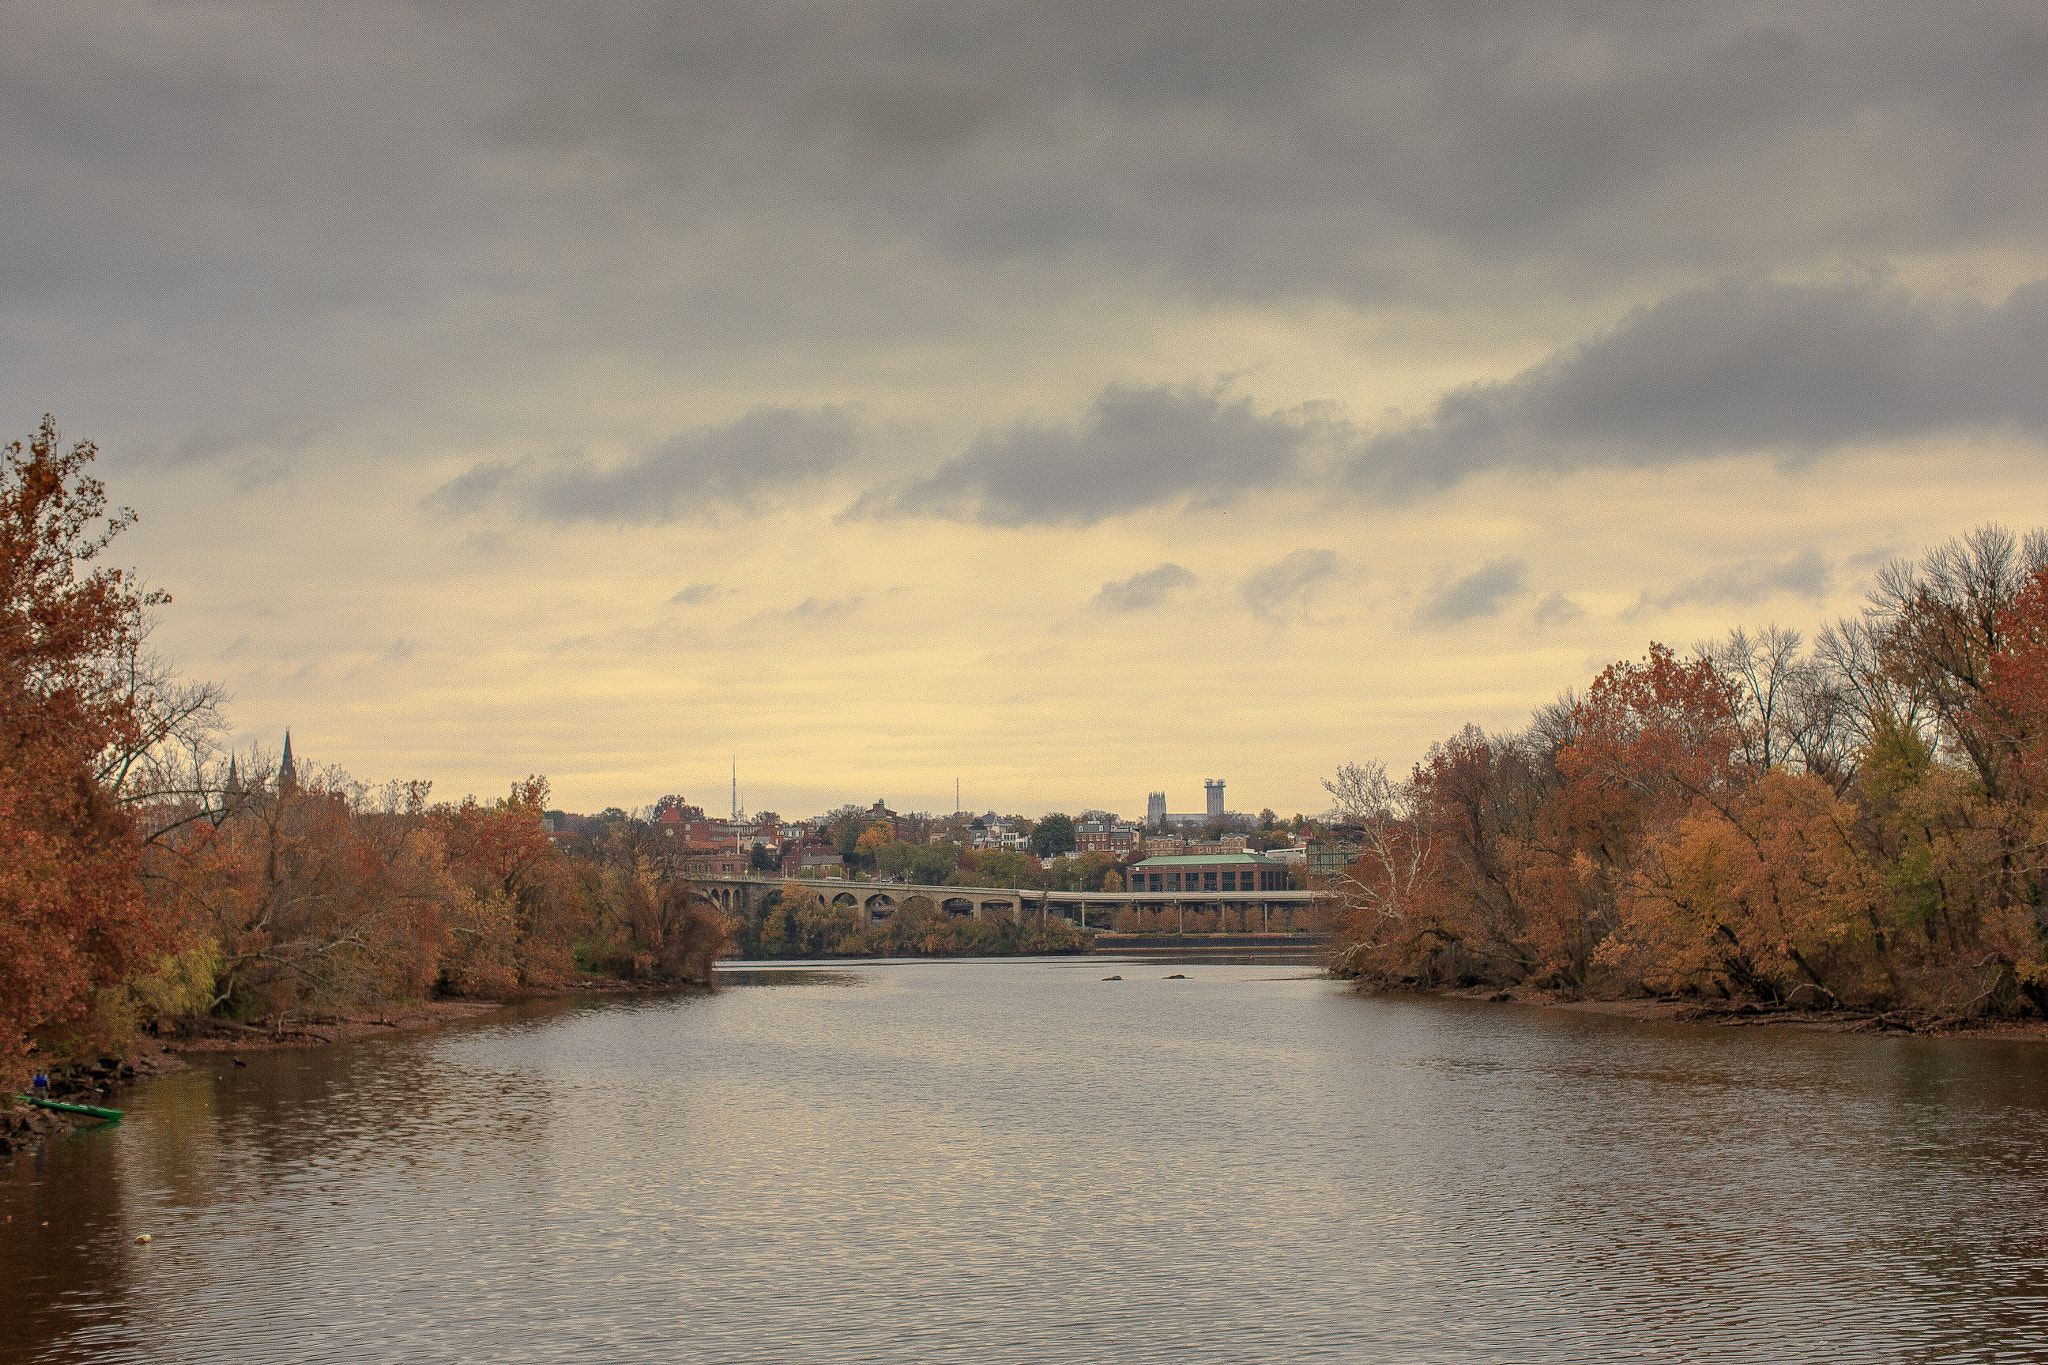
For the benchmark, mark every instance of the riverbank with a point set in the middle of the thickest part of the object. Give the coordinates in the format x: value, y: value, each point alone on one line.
x: 100, y: 1081
x: 1747, y: 1014
x: 313, y: 1030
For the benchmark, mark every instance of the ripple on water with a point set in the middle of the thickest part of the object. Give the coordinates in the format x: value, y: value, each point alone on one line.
x: 1017, y: 1162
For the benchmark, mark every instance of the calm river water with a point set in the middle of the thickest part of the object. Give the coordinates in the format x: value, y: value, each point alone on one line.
x: 1017, y: 1161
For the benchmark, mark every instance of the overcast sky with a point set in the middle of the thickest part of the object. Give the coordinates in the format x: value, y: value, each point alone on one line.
x: 1073, y: 401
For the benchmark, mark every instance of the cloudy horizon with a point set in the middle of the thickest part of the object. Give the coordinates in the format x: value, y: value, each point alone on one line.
x: 1074, y: 401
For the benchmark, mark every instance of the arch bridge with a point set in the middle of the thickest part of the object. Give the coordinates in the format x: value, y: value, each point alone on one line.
x: 873, y: 902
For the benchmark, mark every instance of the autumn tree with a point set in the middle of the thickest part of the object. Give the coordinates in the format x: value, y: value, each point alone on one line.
x: 2017, y: 690
x: 79, y: 703
x: 799, y: 920
x: 500, y: 851
x: 1864, y: 824
x: 1390, y: 907
x: 682, y: 933
x: 876, y: 837
x: 317, y: 896
x: 1939, y: 625
x: 1767, y: 896
x: 1483, y: 795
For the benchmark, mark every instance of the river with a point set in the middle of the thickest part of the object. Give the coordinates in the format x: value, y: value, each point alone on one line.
x: 1018, y: 1161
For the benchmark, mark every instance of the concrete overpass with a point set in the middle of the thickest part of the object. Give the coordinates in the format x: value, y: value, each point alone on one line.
x: 873, y: 902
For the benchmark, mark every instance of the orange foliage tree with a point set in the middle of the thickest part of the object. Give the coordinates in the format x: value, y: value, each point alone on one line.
x: 316, y: 898
x: 1767, y: 889
x: 522, y: 915
x: 73, y: 919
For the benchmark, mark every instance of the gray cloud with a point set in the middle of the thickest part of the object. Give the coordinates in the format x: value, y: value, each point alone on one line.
x: 1557, y: 610
x: 1805, y: 575
x: 1740, y: 366
x: 738, y: 465
x: 695, y: 595
x: 1483, y: 592
x: 258, y: 210
x: 1286, y: 588
x: 253, y: 439
x: 813, y: 610
x: 1137, y: 448
x: 1243, y: 152
x: 1143, y: 591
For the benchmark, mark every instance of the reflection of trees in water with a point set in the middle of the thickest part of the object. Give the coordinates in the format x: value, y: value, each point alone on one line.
x: 1568, y: 1184
x: 247, y: 1177
x: 69, y: 1279
x: 1745, y: 1189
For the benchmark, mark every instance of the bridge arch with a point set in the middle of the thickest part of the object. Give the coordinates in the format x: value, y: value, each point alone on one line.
x: 998, y: 907
x: 958, y: 906
x: 845, y: 898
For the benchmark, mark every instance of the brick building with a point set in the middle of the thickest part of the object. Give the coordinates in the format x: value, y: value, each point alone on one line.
x: 725, y: 863
x: 1101, y: 836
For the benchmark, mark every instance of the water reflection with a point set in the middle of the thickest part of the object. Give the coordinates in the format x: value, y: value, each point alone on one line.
x: 1015, y: 1161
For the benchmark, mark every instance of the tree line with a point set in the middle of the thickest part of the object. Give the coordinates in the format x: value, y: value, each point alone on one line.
x: 150, y: 880
x: 1859, y: 824
x: 798, y: 921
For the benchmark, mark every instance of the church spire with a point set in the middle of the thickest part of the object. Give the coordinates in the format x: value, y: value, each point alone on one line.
x: 287, y: 774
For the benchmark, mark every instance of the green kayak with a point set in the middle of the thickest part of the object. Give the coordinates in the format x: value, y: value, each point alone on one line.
x: 90, y: 1110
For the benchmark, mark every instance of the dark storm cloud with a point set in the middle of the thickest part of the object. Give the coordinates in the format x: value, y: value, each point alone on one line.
x: 741, y: 465
x: 417, y: 211
x: 1744, y: 584
x: 1245, y: 151
x: 1740, y: 366
x: 1483, y: 592
x: 1136, y: 448
x: 1286, y: 589
x: 1143, y: 591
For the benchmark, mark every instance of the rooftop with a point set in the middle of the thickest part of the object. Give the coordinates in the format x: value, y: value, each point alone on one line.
x: 1210, y: 860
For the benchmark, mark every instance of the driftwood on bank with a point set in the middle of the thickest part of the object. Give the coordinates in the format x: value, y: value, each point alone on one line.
x: 230, y: 1027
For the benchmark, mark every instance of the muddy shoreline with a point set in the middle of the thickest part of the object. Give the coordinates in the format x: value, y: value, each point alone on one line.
x: 1730, y: 1014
